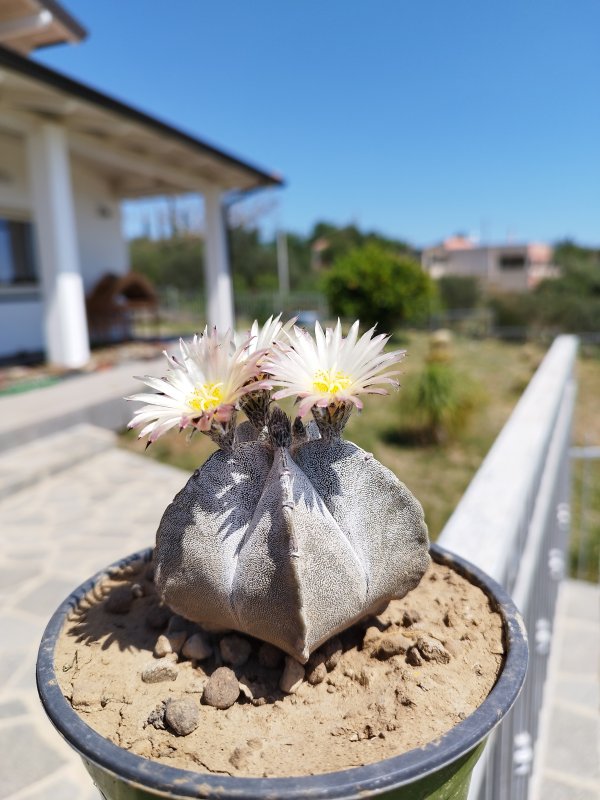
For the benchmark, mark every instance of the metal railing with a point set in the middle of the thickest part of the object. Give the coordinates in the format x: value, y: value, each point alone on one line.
x: 513, y: 522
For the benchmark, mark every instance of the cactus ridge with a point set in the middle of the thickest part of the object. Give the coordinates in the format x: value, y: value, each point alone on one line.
x: 289, y: 536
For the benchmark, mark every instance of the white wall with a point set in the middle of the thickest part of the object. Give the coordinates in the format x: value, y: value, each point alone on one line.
x: 21, y: 326
x: 102, y: 246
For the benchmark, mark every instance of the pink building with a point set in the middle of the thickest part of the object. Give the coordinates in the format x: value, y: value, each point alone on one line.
x: 499, y: 268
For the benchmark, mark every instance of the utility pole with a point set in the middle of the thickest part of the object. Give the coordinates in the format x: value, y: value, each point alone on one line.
x: 283, y: 271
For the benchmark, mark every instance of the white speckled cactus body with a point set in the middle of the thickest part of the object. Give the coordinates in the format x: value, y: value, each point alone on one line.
x: 290, y: 533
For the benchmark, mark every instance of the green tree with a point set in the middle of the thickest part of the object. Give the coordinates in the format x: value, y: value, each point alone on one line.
x: 336, y: 241
x: 376, y: 285
x: 571, y: 302
x: 177, y: 261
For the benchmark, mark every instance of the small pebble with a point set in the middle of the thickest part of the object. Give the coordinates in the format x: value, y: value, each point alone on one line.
x: 119, y: 600
x: 157, y: 617
x: 197, y: 648
x: 392, y: 644
x: 332, y: 650
x: 222, y: 689
x: 292, y: 676
x: 156, y: 717
x: 432, y: 650
x: 371, y: 637
x: 269, y: 656
x: 413, y: 657
x: 316, y: 673
x: 157, y: 671
x: 235, y: 650
x: 162, y: 646
x: 182, y: 716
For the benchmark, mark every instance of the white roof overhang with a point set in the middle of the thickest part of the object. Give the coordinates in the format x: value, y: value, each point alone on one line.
x: 26, y: 25
x: 141, y: 155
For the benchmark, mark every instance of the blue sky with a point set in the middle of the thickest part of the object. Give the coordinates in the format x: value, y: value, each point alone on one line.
x: 417, y: 119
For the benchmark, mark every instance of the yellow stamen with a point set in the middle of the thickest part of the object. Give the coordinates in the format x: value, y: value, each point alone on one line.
x: 330, y: 381
x: 206, y: 397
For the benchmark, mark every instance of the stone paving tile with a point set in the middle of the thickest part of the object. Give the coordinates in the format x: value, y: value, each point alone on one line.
x: 21, y: 466
x: 585, y: 691
x: 25, y: 757
x: 48, y: 594
x: 557, y: 790
x: 580, y: 654
x: 12, y: 708
x: 567, y: 760
x: 55, y: 533
x: 573, y: 743
x: 19, y: 631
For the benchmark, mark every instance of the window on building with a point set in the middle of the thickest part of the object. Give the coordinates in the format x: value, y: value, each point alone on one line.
x: 17, y: 253
x: 512, y: 262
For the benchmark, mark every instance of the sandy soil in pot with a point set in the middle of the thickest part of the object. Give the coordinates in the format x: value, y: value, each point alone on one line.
x: 148, y: 680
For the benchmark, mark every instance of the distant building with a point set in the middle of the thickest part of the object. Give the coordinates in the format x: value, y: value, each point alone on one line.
x: 69, y: 155
x: 499, y: 268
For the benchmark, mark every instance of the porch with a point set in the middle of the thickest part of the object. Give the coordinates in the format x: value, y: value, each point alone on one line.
x: 70, y: 155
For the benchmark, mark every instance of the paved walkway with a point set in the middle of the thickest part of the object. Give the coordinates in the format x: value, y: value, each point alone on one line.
x: 96, y: 398
x: 567, y: 765
x: 86, y: 504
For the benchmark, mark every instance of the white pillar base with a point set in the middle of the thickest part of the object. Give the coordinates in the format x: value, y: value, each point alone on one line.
x: 67, y: 339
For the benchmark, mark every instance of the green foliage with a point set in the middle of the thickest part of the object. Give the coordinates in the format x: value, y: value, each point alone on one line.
x: 176, y: 262
x: 335, y: 242
x: 459, y: 291
x: 512, y: 311
x: 438, y: 402
x: 376, y: 285
x: 572, y: 301
x: 253, y: 263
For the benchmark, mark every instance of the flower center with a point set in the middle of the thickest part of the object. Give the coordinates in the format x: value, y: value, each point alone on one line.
x: 206, y: 397
x: 330, y: 381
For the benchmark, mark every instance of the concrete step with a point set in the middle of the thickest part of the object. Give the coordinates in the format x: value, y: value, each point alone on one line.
x: 24, y: 465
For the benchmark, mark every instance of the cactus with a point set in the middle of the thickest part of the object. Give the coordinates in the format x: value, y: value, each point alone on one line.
x: 288, y: 532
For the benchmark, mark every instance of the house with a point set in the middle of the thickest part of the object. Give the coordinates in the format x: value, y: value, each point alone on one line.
x: 69, y: 155
x: 499, y: 268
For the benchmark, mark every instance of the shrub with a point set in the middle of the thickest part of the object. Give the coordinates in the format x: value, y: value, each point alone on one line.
x: 459, y: 291
x: 375, y: 284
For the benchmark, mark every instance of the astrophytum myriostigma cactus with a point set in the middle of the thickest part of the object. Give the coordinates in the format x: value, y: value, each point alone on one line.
x: 288, y: 532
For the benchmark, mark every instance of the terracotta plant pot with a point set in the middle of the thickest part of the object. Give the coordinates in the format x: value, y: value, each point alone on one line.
x: 441, y: 769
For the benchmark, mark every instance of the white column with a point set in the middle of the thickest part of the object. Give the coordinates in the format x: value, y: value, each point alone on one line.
x: 67, y: 340
x: 219, y: 292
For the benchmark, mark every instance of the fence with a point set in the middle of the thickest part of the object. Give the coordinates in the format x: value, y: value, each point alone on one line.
x: 513, y: 522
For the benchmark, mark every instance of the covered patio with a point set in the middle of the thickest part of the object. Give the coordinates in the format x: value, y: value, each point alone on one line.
x: 71, y: 155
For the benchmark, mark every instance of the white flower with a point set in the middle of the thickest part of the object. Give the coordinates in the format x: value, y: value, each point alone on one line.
x: 204, y: 387
x: 264, y: 338
x: 330, y: 369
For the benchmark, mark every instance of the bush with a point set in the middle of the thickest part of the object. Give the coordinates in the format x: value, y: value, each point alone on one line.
x: 438, y: 403
x: 376, y: 285
x: 459, y: 291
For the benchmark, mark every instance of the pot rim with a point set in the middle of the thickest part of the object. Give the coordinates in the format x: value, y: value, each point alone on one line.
x: 368, y: 780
